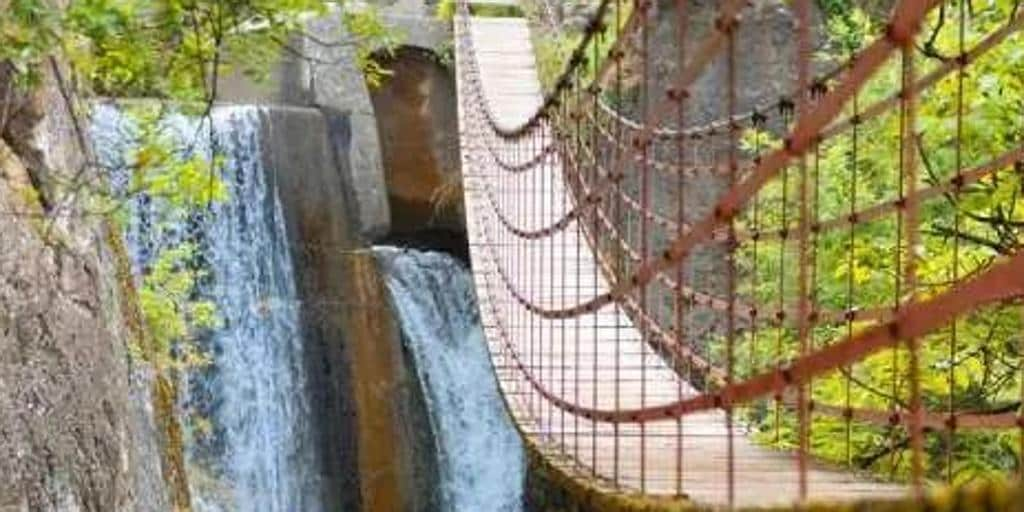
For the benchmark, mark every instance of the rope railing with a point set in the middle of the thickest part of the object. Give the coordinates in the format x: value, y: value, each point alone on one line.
x: 759, y: 113
x: 640, y: 271
x: 1003, y: 282
x: 903, y: 26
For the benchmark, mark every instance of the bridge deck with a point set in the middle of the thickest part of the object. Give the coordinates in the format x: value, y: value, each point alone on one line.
x: 576, y: 359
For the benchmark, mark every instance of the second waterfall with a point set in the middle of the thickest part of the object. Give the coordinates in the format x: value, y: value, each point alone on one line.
x: 480, y: 455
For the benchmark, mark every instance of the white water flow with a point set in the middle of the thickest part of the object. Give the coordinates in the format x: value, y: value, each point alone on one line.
x: 481, y: 459
x: 259, y: 454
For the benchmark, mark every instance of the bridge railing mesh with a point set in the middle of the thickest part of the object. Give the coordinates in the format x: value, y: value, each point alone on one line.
x: 834, y: 269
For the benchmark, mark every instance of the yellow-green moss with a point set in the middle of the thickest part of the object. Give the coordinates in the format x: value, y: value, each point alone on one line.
x: 164, y: 398
x: 495, y: 10
x: 553, y: 489
x: 131, y: 315
x: 164, y: 392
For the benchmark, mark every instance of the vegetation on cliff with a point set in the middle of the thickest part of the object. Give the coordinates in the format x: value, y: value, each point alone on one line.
x: 173, y: 50
x: 445, y: 10
x: 176, y: 51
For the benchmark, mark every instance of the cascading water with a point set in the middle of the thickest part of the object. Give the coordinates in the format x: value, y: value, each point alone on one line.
x: 480, y: 455
x: 259, y: 456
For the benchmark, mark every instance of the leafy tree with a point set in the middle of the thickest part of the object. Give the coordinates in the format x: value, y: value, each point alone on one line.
x: 175, y: 50
x: 172, y: 314
x: 962, y: 233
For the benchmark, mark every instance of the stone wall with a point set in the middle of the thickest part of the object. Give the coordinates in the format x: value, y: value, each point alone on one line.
x: 417, y: 121
x: 398, y: 461
x: 325, y: 77
x: 373, y: 455
x: 416, y: 21
x: 298, y: 154
x: 322, y: 144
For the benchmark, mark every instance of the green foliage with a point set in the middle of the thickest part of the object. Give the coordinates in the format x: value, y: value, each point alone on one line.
x: 847, y: 28
x: 160, y: 169
x: 554, y: 48
x: 28, y: 32
x: 180, y: 182
x: 445, y: 10
x: 373, y: 37
x: 552, y: 53
x: 446, y: 54
x: 961, y: 234
x: 495, y: 10
x: 173, y: 48
x: 172, y: 316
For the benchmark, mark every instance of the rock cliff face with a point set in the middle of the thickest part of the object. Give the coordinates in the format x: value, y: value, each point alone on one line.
x: 765, y: 50
x: 765, y: 66
x: 77, y: 427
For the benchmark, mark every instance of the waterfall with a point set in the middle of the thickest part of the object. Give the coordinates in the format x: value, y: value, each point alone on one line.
x: 259, y: 455
x: 480, y: 455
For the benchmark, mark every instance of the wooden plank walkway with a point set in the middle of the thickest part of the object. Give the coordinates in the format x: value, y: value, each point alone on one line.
x: 577, y: 359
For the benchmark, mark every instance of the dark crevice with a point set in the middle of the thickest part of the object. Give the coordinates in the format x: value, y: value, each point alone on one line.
x: 453, y: 242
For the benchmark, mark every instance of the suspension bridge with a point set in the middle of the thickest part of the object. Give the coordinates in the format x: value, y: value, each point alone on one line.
x: 650, y: 286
